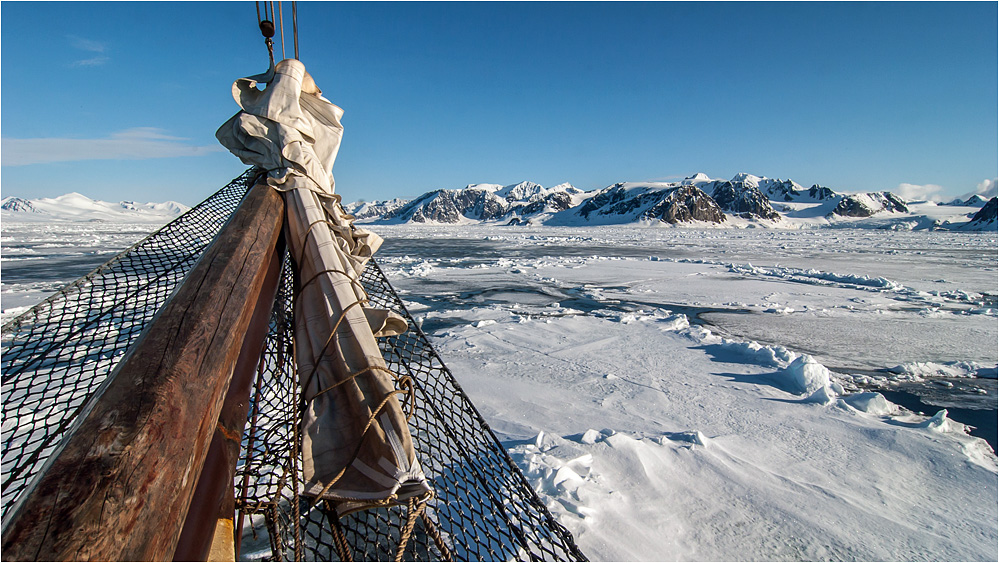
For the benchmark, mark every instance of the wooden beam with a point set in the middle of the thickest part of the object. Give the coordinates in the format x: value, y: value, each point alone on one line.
x: 215, y: 503
x: 121, y: 487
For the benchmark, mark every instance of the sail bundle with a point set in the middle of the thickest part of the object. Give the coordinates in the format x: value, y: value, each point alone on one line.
x: 356, y: 444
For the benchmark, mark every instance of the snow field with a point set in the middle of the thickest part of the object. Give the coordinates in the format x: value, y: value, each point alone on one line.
x: 666, y: 391
x: 654, y: 439
x: 712, y: 456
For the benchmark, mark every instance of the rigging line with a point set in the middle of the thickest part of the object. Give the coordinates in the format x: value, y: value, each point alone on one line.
x: 281, y: 17
x: 294, y: 24
x: 266, y: 26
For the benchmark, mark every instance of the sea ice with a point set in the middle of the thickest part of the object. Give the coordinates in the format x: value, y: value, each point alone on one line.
x: 725, y: 433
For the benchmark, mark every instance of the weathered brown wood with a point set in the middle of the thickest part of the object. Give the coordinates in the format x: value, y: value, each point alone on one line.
x: 213, y: 496
x: 121, y: 487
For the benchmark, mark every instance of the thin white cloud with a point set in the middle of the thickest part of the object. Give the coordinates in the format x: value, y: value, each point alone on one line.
x: 94, y: 61
x: 89, y: 46
x: 139, y: 143
x: 987, y: 189
x: 84, y: 44
x: 916, y: 192
x: 145, y: 133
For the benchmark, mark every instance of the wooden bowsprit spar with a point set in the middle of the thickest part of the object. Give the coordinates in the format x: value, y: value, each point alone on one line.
x: 122, y: 486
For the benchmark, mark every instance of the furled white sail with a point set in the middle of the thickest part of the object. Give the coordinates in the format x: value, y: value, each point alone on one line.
x: 357, y: 448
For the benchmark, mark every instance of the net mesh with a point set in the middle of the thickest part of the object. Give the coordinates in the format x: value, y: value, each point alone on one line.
x: 57, y: 355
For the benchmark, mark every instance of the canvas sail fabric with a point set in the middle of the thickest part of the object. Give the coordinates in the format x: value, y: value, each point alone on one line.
x: 357, y: 449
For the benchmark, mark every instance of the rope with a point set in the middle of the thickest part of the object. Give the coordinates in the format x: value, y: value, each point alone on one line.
x: 353, y: 375
x: 339, y: 538
x: 356, y: 283
x: 435, y: 534
x: 407, y: 531
x: 354, y: 280
x: 296, y: 455
x: 305, y: 239
x: 401, y: 381
x: 322, y: 352
x: 391, y: 499
x: 294, y: 24
x: 405, y: 386
x: 343, y: 313
x: 266, y: 26
x: 281, y: 17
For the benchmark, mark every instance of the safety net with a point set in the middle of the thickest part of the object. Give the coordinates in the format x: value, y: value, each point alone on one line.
x: 57, y: 355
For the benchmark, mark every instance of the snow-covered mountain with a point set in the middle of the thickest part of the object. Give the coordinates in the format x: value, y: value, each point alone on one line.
x: 869, y: 204
x: 745, y: 200
x: 475, y: 203
x: 375, y: 209
x: 19, y: 205
x: 629, y: 202
x: 77, y: 207
x: 698, y: 200
x: 470, y: 204
x: 986, y: 218
x: 973, y: 201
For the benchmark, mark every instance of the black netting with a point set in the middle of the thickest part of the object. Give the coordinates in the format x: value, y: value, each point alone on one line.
x: 56, y: 356
x: 483, y: 509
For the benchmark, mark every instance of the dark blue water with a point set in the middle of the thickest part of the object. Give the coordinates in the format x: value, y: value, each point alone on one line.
x: 979, y: 411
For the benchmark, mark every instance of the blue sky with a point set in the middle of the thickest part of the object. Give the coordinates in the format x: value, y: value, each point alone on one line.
x: 121, y: 100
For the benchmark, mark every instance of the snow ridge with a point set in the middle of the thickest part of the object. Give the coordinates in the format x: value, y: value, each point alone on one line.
x: 78, y: 207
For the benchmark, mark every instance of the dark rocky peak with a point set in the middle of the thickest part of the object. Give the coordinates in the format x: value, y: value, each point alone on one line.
x: 18, y: 204
x: 567, y: 188
x: 374, y: 209
x: 973, y: 201
x: 987, y: 215
x: 605, y: 197
x: 781, y: 189
x: 818, y: 192
x: 685, y: 204
x: 449, y: 206
x: 553, y: 202
x: 744, y: 199
x: 893, y: 203
x: 977, y: 201
x: 866, y: 205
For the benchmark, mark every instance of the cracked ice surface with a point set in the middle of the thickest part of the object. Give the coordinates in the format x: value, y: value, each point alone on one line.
x: 667, y: 394
x: 700, y: 395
